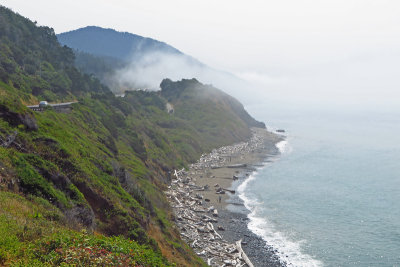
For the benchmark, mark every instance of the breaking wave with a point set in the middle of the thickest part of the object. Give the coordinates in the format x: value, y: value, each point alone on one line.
x: 289, y: 252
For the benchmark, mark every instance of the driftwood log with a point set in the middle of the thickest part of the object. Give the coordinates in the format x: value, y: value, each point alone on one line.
x: 244, y: 256
x: 195, y: 218
x: 230, y: 191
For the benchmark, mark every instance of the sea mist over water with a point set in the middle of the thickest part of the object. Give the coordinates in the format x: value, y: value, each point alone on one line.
x: 332, y: 200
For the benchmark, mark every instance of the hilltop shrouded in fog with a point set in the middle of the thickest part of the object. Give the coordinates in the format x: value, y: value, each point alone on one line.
x: 128, y: 61
x: 110, y: 43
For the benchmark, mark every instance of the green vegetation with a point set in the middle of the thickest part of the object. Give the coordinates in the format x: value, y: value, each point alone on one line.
x: 32, y: 234
x: 88, y: 183
x: 32, y: 60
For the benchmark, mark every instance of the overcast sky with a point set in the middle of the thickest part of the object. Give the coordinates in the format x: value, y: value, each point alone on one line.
x: 343, y: 50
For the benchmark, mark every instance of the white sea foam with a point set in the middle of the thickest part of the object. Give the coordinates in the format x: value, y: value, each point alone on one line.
x: 289, y: 252
x: 283, y: 146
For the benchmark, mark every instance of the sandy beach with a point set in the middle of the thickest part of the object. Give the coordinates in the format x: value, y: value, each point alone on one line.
x: 200, y: 199
x: 223, y: 176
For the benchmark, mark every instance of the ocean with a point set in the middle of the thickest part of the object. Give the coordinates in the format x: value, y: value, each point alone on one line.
x: 332, y: 198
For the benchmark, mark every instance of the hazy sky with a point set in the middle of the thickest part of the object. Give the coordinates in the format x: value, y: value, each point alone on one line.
x: 339, y: 50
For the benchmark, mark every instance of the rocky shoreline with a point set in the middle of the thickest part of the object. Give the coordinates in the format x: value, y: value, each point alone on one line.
x: 199, y: 198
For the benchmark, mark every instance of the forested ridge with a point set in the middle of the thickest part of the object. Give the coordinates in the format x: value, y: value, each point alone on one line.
x: 87, y: 185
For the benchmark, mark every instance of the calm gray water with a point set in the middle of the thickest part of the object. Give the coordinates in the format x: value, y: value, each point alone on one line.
x: 333, y: 197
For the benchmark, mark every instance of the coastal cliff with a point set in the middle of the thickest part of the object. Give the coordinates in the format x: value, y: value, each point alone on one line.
x: 89, y: 181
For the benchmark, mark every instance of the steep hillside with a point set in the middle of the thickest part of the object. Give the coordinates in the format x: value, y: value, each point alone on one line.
x: 71, y: 181
x: 36, y: 64
x: 209, y: 110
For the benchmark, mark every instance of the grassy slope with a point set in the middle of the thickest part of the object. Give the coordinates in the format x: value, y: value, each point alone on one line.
x: 117, y: 172
x: 31, y: 235
x: 77, y: 164
x: 113, y: 157
x: 101, y: 167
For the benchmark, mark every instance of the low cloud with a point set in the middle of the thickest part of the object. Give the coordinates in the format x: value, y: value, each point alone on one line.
x: 147, y: 72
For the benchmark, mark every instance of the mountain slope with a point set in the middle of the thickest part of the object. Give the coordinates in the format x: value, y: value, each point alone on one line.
x: 124, y: 61
x: 100, y: 167
x: 108, y: 54
x: 110, y: 43
x: 121, y: 62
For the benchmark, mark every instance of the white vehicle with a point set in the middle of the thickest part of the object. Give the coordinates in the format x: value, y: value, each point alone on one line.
x: 43, y: 104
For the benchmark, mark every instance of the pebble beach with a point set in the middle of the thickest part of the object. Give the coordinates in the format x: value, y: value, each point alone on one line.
x: 200, y: 197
